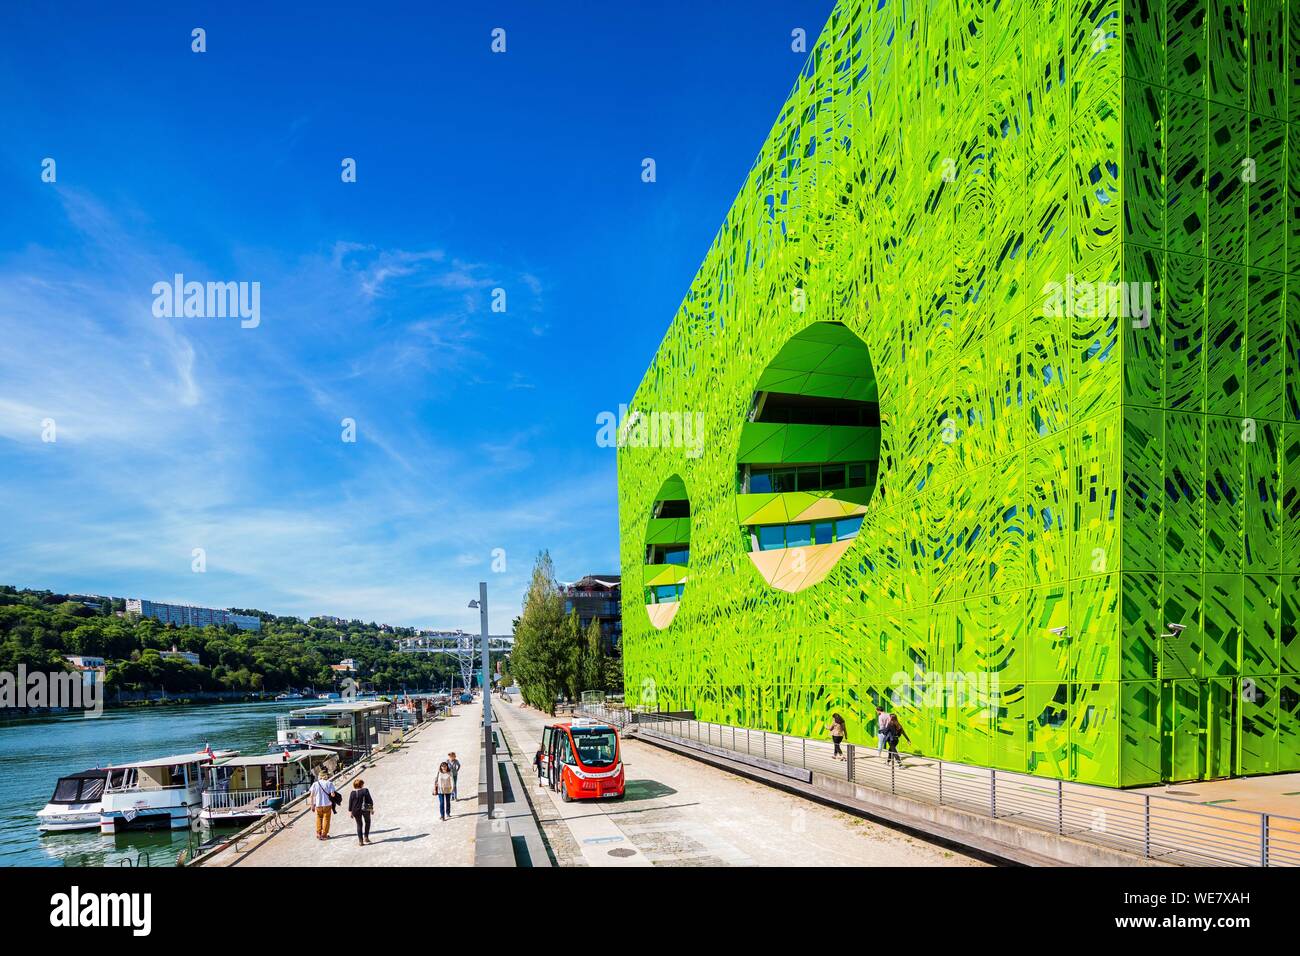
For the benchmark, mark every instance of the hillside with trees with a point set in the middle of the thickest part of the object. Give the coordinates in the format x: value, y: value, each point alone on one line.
x: 37, y: 628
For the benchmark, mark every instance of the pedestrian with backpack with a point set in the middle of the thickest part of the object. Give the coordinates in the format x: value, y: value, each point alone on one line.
x: 323, y: 798
x: 895, y: 732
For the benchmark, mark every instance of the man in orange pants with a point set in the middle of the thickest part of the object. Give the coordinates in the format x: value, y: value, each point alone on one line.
x: 322, y: 801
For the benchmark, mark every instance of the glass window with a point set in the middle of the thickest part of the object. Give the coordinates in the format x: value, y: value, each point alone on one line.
x: 848, y: 527
x: 92, y: 788
x: 857, y: 476
x: 771, y: 536
x: 833, y: 476
x: 65, y: 791
x: 760, y: 482
x: 596, y: 748
x: 783, y: 481
x: 823, y: 532
x: 665, y: 593
x: 798, y: 535
x: 810, y: 479
x: 677, y: 555
x: 676, y: 508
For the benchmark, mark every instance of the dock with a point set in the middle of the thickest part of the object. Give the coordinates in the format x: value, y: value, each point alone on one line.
x: 405, y: 828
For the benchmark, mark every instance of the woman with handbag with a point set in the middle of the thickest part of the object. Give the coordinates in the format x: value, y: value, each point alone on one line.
x: 838, y: 732
x: 442, y: 788
x: 362, y: 806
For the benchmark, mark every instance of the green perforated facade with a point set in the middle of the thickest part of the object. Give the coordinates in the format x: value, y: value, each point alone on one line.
x: 1045, y: 256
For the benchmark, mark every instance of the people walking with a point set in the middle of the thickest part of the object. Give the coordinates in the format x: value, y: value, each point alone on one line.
x: 883, y: 720
x: 322, y: 800
x: 442, y: 788
x: 454, y: 765
x: 896, y: 731
x: 361, y: 805
x: 837, y: 735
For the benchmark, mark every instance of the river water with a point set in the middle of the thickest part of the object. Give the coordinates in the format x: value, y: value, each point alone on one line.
x: 34, y: 753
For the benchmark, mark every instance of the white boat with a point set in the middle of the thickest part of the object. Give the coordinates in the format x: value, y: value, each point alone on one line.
x: 76, y: 802
x: 163, y: 793
x: 244, y: 788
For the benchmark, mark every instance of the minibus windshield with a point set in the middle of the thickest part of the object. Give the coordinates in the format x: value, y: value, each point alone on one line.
x: 596, y: 748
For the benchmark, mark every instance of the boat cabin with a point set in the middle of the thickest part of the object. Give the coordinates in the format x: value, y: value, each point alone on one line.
x: 348, y: 726
x: 248, y: 786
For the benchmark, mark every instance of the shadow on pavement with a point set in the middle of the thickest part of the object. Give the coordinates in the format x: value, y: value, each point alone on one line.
x: 405, y: 839
x: 646, y: 790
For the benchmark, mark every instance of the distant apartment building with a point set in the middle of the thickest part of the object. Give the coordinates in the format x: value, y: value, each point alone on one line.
x: 185, y: 614
x: 345, y: 666
x: 597, y: 597
x: 188, y: 657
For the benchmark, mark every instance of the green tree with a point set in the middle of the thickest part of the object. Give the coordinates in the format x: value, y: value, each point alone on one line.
x: 547, y: 648
x: 592, y: 663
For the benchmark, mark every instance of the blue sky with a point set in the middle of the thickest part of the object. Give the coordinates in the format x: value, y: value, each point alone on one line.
x: 475, y: 429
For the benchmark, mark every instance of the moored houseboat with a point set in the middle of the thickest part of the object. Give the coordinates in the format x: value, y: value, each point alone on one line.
x: 243, y: 788
x: 162, y: 793
x: 76, y: 801
x: 348, y: 727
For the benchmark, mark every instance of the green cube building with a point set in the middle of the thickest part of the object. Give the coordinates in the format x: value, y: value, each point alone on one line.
x: 993, y: 379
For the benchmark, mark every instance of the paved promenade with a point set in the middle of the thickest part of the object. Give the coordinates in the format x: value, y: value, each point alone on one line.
x: 405, y: 828
x: 680, y: 812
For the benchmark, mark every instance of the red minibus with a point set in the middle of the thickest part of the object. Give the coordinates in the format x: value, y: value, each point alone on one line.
x: 583, y: 760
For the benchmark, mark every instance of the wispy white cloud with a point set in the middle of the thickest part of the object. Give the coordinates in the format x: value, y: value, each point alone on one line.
x: 181, y: 434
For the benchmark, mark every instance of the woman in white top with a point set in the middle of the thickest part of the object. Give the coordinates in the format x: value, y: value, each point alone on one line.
x: 442, y: 788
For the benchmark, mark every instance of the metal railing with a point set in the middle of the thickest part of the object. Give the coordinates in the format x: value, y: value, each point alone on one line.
x: 148, y: 786
x: 1150, y: 825
x: 619, y: 717
x: 249, y: 800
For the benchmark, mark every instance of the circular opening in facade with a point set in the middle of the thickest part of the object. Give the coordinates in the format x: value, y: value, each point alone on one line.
x: 667, y: 551
x: 809, y: 456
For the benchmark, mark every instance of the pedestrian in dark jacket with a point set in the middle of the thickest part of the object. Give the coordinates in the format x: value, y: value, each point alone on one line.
x: 362, y: 806
x: 896, y: 731
x: 454, y: 766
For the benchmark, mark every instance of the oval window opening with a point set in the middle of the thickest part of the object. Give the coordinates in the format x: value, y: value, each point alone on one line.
x: 667, y: 551
x: 809, y: 456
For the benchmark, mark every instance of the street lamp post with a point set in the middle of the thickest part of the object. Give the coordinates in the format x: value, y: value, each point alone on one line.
x: 489, y: 767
